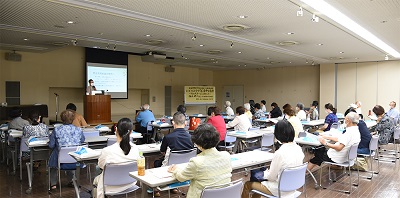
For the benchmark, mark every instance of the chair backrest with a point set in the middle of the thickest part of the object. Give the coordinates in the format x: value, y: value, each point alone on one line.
x: 64, y: 157
x: 302, y: 134
x: 231, y: 190
x: 116, y: 174
x: 396, y: 133
x: 23, y: 146
x: 183, y: 156
x: 111, y: 141
x: 229, y: 139
x: 91, y: 134
x: 149, y: 126
x: 292, y: 178
x: 352, y: 152
x: 335, y: 125
x: 268, y: 139
x: 373, y: 144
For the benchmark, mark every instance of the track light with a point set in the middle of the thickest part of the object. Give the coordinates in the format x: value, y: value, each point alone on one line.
x: 115, y: 47
x: 306, y: 61
x: 194, y: 37
x: 74, y: 42
x: 150, y: 53
x: 231, y: 44
x: 108, y: 45
x: 300, y: 12
x: 312, y: 63
x: 386, y: 57
x: 315, y: 18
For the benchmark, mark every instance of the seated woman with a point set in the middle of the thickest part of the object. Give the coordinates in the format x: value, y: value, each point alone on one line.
x: 218, y: 122
x: 276, y: 111
x: 301, y: 114
x: 288, y: 155
x: 123, y: 150
x: 330, y: 118
x: 210, y: 167
x: 293, y: 119
x: 228, y: 109
x: 384, y: 125
x: 35, y: 129
x: 64, y: 135
x: 241, y: 121
x: 258, y: 112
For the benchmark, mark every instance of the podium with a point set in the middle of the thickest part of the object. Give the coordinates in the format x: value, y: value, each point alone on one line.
x: 97, y: 108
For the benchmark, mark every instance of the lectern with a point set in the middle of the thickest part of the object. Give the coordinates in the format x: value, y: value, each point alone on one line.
x: 97, y: 108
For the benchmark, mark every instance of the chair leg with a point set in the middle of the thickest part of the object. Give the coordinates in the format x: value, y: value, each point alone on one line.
x: 28, y: 168
x: 20, y: 168
x: 14, y: 161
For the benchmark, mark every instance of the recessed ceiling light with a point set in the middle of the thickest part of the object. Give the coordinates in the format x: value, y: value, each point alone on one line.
x: 242, y: 16
x: 268, y: 58
x: 95, y: 46
x: 320, y: 44
x: 290, y: 62
x: 26, y: 39
x: 356, y: 58
x: 212, y: 59
x: 147, y: 35
x: 341, y: 52
x: 201, y: 45
x: 290, y: 33
x: 245, y: 65
x: 71, y: 22
x: 239, y: 65
x: 239, y: 52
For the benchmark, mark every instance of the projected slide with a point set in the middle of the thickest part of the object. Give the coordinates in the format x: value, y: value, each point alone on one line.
x: 110, y: 78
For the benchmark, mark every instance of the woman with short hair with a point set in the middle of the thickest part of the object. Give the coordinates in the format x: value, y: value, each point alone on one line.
x: 384, y: 125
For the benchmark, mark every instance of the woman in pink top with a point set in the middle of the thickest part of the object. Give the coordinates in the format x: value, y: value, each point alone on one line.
x: 217, y: 121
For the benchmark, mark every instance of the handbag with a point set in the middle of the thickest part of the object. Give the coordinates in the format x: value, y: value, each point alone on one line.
x: 257, y: 175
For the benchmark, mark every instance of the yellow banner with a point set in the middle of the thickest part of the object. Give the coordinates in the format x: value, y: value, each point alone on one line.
x: 199, y: 95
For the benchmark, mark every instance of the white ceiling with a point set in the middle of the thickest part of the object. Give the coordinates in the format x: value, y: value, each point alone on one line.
x: 124, y: 24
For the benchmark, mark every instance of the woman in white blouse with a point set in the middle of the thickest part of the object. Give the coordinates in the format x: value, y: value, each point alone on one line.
x: 288, y: 155
x: 122, y: 151
x: 241, y: 121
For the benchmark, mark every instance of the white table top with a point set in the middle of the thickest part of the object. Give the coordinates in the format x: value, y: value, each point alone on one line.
x: 274, y: 120
x: 15, y: 134
x: 163, y: 125
x: 370, y: 123
x: 313, y: 122
x: 149, y: 148
x: 134, y: 135
x: 159, y: 176
x: 251, y: 133
x: 310, y: 139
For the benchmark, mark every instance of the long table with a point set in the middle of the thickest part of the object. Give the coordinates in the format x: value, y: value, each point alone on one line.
x: 156, y: 177
x: 246, y: 135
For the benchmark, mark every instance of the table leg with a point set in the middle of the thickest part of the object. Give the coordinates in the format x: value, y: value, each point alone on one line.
x: 144, y: 190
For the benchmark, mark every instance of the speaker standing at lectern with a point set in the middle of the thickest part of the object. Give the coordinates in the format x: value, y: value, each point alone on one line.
x: 91, y: 87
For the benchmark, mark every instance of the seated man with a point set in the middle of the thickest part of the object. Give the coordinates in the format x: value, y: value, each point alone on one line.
x: 177, y: 140
x: 337, y: 152
x: 363, y: 147
x: 143, y: 117
x: 79, y: 121
x: 17, y: 121
x: 393, y: 112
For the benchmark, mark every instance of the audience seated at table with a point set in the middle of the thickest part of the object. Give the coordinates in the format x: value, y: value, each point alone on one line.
x: 143, y: 117
x: 79, y: 121
x: 393, y: 112
x: 218, y: 122
x: 301, y: 114
x: 64, y: 135
x: 247, y: 112
x: 228, y: 109
x: 384, y: 125
x: 241, y: 121
x: 330, y: 118
x: 210, y: 167
x: 288, y: 155
x: 263, y: 107
x: 293, y: 120
x: 313, y: 111
x: 121, y: 151
x: 35, y: 129
x: 338, y: 151
x: 276, y: 111
x: 17, y: 121
x: 258, y: 111
x: 363, y: 146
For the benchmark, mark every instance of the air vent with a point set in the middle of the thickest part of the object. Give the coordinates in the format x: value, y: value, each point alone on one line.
x: 336, y: 58
x: 287, y: 43
x: 155, y: 41
x: 214, y: 51
x: 60, y: 44
x: 234, y: 27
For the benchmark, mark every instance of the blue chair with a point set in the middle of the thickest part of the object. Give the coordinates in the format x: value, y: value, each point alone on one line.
x: 116, y: 174
x: 231, y: 190
x: 291, y: 179
x: 351, y: 156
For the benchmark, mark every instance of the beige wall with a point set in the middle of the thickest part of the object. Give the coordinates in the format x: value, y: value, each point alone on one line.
x: 370, y: 82
x: 63, y: 72
x: 281, y: 85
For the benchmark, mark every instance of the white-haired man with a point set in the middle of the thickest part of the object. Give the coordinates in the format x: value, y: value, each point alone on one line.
x: 228, y: 108
x: 143, y: 117
x: 393, y: 112
x: 337, y: 152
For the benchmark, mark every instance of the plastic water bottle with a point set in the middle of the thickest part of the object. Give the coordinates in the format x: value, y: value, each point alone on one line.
x: 308, y: 117
x: 141, y: 163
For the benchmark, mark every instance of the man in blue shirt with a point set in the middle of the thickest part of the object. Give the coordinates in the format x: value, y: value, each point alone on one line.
x: 144, y: 117
x: 393, y: 112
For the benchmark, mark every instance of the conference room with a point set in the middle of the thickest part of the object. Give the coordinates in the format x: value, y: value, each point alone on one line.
x: 152, y: 52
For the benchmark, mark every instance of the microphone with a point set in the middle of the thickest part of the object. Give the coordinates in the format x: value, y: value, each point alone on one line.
x: 56, y: 94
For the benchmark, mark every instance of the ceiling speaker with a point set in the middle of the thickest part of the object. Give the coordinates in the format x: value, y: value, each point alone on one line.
x: 12, y: 56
